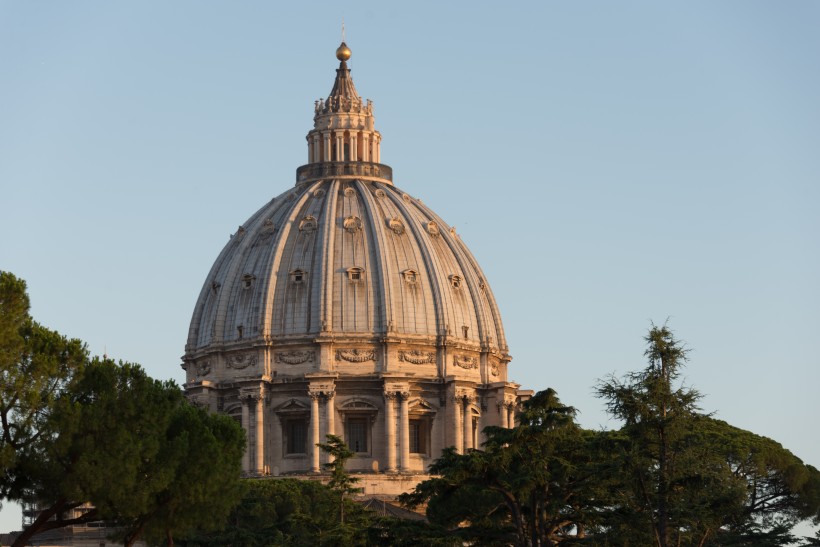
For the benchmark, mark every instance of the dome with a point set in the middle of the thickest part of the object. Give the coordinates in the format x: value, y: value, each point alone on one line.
x: 347, y: 306
x: 346, y: 256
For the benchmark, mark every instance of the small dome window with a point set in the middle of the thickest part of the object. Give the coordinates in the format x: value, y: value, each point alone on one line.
x: 297, y: 277
x: 455, y: 281
x: 247, y: 280
x: 354, y: 275
x: 411, y: 277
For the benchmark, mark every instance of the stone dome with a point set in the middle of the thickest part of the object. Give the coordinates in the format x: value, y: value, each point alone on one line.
x: 346, y: 291
x: 344, y: 256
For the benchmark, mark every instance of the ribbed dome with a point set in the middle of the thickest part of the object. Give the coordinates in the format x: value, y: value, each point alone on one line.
x: 345, y: 257
x: 345, y: 306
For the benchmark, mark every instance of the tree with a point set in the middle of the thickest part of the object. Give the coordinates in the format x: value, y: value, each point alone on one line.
x: 289, y: 512
x: 656, y: 416
x: 539, y: 483
x: 36, y: 365
x: 204, y: 451
x: 688, y: 479
x: 104, y: 442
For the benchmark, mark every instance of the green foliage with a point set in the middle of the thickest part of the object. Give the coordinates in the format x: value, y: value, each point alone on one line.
x: 76, y: 431
x: 204, y: 452
x: 288, y: 512
x: 339, y: 453
x: 535, y: 484
x: 36, y: 364
x: 688, y: 479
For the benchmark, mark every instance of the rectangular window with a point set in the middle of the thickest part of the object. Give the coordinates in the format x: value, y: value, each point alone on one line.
x: 296, y: 436
x: 357, y: 434
x: 418, y: 437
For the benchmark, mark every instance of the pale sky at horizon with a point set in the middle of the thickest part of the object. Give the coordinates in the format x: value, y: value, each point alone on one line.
x: 608, y: 164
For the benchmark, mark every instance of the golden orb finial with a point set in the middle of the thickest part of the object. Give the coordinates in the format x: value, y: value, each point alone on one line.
x: 343, y: 52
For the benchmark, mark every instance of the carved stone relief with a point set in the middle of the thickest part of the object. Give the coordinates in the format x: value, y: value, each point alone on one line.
x: 308, y: 224
x: 243, y: 360
x: 293, y: 357
x: 380, y: 193
x: 432, y: 228
x: 465, y: 361
x: 352, y: 224
x: 355, y: 355
x: 417, y: 357
x: 396, y: 226
x: 350, y: 192
x: 203, y: 368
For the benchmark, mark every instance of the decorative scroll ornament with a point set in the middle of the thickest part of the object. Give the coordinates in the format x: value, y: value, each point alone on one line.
x: 294, y: 357
x: 432, y: 228
x: 465, y: 361
x: 242, y: 361
x: 352, y: 224
x: 396, y: 225
x: 203, y: 368
x: 308, y: 224
x: 417, y: 357
x: 355, y: 355
x: 380, y: 193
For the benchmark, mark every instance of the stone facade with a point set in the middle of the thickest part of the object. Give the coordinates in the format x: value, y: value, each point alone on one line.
x: 347, y: 306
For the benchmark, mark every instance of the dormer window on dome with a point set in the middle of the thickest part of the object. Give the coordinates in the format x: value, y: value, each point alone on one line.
x: 297, y: 277
x: 247, y: 280
x: 455, y: 281
x: 411, y: 277
x: 354, y: 275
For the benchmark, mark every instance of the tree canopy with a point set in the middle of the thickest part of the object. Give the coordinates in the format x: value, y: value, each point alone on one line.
x: 671, y: 475
x: 79, y: 430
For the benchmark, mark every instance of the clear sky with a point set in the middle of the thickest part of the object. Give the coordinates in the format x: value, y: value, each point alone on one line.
x: 609, y: 164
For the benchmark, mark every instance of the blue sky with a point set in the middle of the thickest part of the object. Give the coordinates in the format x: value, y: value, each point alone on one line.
x: 608, y: 164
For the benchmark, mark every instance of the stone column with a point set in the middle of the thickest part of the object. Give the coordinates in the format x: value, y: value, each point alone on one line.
x: 354, y: 151
x: 390, y: 428
x: 260, y: 434
x: 468, y: 425
x: 246, y: 425
x: 316, y: 149
x: 340, y: 146
x: 365, y: 146
x: 328, y: 148
x: 314, y: 427
x: 405, y: 430
x: 458, y: 438
x: 502, y: 408
x: 511, y: 415
x: 377, y: 149
x: 331, y: 413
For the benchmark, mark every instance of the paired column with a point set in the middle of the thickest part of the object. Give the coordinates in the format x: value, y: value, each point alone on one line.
x: 354, y: 149
x: 468, y: 425
x: 458, y: 429
x: 260, y: 434
x: 254, y: 459
x: 246, y: 425
x: 405, y: 430
x: 340, y: 145
x: 390, y: 427
x: 328, y: 148
x: 365, y: 146
x: 314, y: 431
